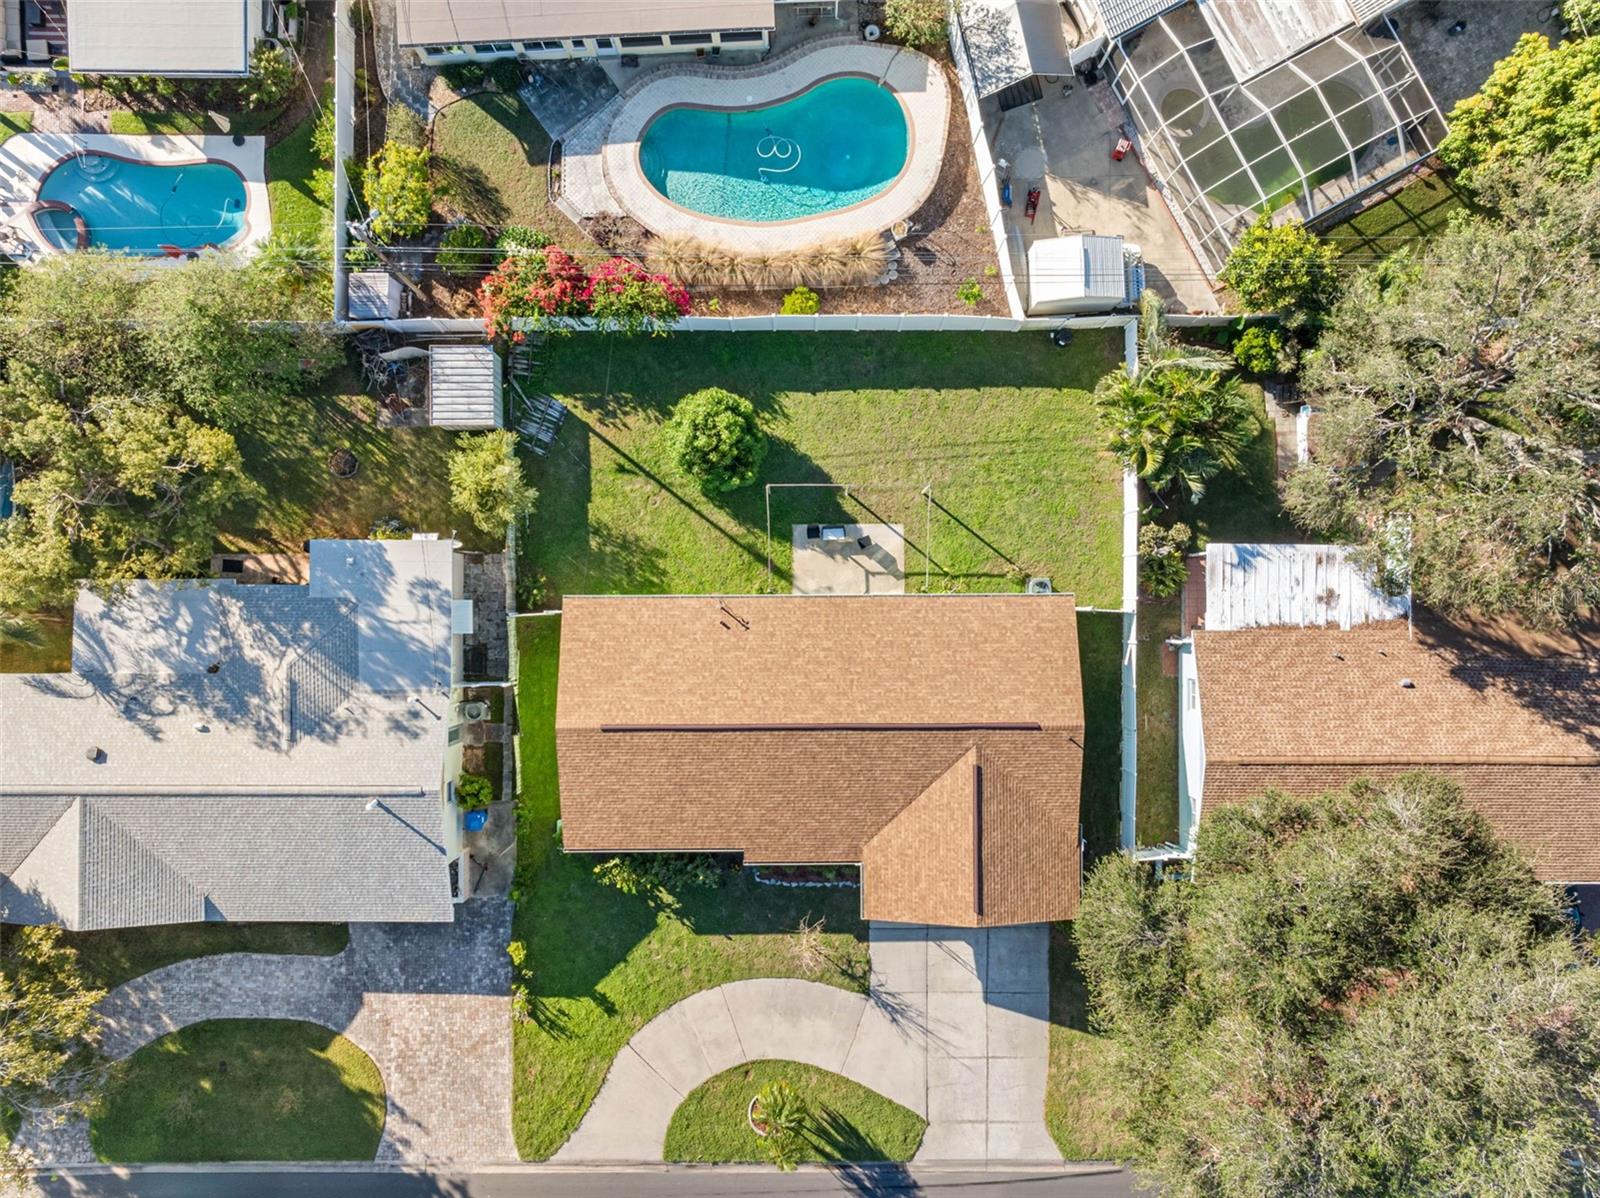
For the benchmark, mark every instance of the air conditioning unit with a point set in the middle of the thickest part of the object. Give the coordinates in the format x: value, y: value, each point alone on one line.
x: 1039, y: 586
x: 474, y: 711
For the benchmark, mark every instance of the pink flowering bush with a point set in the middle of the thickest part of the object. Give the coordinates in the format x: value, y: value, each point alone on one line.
x: 536, y: 286
x: 626, y: 298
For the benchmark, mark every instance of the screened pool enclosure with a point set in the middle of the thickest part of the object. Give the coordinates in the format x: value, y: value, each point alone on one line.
x: 1236, y: 120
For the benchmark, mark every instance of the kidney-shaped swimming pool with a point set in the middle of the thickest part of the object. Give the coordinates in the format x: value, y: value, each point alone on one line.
x: 838, y: 143
x: 140, y: 207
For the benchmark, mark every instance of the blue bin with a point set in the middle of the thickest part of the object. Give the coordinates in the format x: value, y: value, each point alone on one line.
x: 474, y: 821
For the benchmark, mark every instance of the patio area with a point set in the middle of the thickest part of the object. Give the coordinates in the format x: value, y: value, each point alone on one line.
x: 849, y: 559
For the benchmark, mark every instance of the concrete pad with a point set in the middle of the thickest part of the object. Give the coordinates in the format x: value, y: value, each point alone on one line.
x: 899, y: 953
x: 628, y: 1119
x: 669, y: 1045
x: 953, y: 1142
x: 957, y: 1088
x: 719, y: 1039
x: 1017, y: 1143
x: 1016, y: 1089
x: 957, y: 1024
x: 956, y: 958
x: 1018, y: 1026
x: 796, y: 1021
x: 890, y: 1056
x: 1019, y: 958
x: 842, y: 566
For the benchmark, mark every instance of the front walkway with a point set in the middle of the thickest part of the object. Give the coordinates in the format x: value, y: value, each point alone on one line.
x: 954, y: 1028
x: 427, y: 1002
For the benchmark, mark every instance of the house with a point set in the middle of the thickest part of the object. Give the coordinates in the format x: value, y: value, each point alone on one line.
x: 447, y: 31
x: 1292, y: 107
x: 207, y: 38
x: 1300, y: 676
x: 935, y: 740
x: 235, y: 752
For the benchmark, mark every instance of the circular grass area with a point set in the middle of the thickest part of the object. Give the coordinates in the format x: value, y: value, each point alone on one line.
x: 848, y: 1121
x: 243, y: 1090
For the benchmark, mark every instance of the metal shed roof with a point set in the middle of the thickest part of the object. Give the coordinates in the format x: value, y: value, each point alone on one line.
x: 464, y: 387
x: 1296, y: 586
x: 1011, y: 40
x: 373, y: 295
x: 1079, y: 273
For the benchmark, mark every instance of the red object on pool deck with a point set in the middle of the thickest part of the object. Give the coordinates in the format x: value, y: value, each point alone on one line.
x: 1031, y: 210
x: 1123, y: 146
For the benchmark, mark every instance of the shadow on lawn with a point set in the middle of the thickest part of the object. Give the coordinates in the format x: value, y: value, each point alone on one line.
x: 838, y: 1138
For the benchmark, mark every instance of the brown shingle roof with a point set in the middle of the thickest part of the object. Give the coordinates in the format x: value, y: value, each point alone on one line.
x: 796, y: 729
x: 1309, y: 710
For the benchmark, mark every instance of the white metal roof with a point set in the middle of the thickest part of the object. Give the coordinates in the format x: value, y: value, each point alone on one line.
x: 373, y: 295
x: 162, y: 37
x: 1010, y: 40
x: 452, y: 22
x: 1295, y: 586
x: 464, y: 386
x: 1080, y: 273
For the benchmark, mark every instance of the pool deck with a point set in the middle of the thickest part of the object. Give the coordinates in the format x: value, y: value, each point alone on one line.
x: 26, y: 158
x: 600, y: 158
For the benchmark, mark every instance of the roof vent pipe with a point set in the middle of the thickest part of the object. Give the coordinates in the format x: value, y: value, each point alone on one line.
x: 1407, y: 684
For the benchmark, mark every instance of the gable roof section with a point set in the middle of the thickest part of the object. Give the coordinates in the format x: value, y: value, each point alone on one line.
x: 454, y: 21
x: 41, y: 862
x: 799, y: 728
x: 1309, y: 710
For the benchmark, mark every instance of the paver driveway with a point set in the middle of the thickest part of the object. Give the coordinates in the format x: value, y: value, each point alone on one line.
x: 427, y: 1002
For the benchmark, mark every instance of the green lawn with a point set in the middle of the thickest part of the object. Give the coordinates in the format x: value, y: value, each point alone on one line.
x: 112, y: 957
x: 1001, y: 426
x: 490, y: 160
x: 1243, y: 506
x: 1158, y: 726
x: 848, y: 1121
x: 188, y: 121
x: 1078, y: 1107
x: 1413, y: 214
x: 601, y: 964
x: 296, y: 209
x: 1100, y: 662
x: 243, y: 1090
x: 12, y: 123
x: 403, y: 474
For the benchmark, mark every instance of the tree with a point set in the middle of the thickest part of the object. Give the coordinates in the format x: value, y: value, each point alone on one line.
x: 1361, y: 994
x: 716, y: 439
x: 1266, y: 349
x: 1539, y: 102
x: 1283, y: 268
x: 486, y: 481
x: 50, y: 1066
x: 1176, y: 426
x: 271, y: 77
x: 399, y: 191
x: 917, y: 22
x: 1583, y: 16
x: 785, y: 1115
x: 1162, y: 566
x: 1460, y: 392
x: 1158, y: 347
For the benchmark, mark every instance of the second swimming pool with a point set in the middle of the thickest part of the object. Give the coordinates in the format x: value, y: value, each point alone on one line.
x: 142, y: 207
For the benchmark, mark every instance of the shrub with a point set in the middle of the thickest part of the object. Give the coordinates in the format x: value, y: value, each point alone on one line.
x: 1583, y: 16
x: 323, y: 141
x: 917, y: 22
x: 716, y: 439
x: 802, y: 301
x: 646, y: 873
x: 399, y: 191
x: 360, y: 16
x: 271, y: 77
x: 625, y: 298
x: 404, y: 126
x: 518, y: 239
x: 536, y: 285
x: 847, y: 262
x: 1266, y: 349
x: 506, y: 74
x: 1175, y: 426
x: 474, y: 792
x: 391, y: 528
x: 970, y: 293
x: 786, y: 1115
x: 461, y: 76
x: 461, y: 248
x: 486, y: 481
x: 1162, y: 569
x: 1282, y: 268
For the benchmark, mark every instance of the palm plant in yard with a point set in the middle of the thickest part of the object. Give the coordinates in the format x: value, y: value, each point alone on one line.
x: 1158, y: 348
x: 781, y: 1116
x: 1176, y: 426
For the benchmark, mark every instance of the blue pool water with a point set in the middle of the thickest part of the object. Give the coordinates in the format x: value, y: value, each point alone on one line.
x: 839, y: 143
x: 139, y: 207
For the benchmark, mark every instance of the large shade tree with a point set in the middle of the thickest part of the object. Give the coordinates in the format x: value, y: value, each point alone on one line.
x: 1360, y: 994
x: 1460, y: 396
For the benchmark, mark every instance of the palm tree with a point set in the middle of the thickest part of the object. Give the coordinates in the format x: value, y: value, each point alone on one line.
x: 1176, y: 425
x: 1158, y: 348
x: 17, y: 630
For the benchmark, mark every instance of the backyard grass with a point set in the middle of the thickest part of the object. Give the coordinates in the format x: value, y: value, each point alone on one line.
x: 12, y: 123
x: 849, y: 1122
x: 1158, y: 726
x: 1100, y: 663
x: 112, y: 957
x: 189, y: 121
x: 243, y: 1090
x: 1002, y: 428
x: 490, y: 160
x: 1079, y: 1106
x: 297, y: 212
x: 403, y: 475
x: 600, y: 963
x: 1415, y: 213
x: 1243, y: 506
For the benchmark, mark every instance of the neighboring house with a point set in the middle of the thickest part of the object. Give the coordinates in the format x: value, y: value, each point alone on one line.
x: 446, y: 31
x: 208, y: 38
x: 936, y: 741
x: 244, y: 752
x: 1301, y: 677
x: 1292, y: 107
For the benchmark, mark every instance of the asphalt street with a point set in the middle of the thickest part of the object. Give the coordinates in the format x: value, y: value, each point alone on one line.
x: 682, y: 1182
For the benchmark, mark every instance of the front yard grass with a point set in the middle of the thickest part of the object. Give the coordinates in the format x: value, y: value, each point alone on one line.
x: 1079, y: 1107
x: 243, y: 1090
x: 849, y: 1122
x: 491, y: 160
x: 600, y: 963
x: 1001, y: 426
x: 118, y: 955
